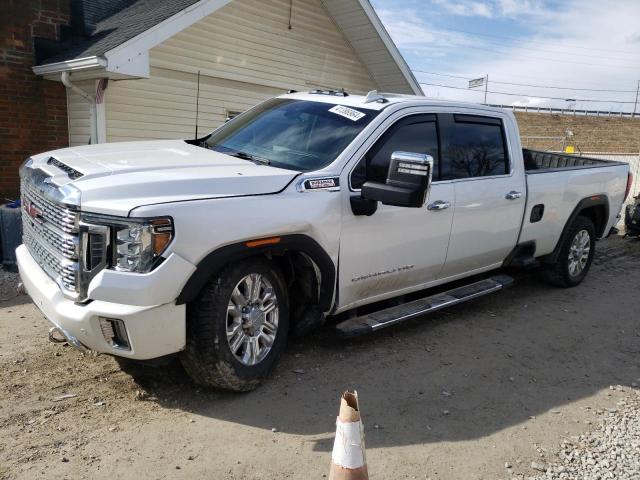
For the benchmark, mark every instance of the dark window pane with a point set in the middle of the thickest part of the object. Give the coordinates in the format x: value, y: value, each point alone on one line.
x: 293, y: 134
x: 473, y: 150
x: 408, y: 135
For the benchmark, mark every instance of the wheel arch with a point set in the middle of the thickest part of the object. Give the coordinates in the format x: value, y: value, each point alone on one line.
x: 286, y: 249
x: 596, y: 208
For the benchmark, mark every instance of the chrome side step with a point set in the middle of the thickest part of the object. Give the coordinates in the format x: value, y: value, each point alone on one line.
x: 400, y: 313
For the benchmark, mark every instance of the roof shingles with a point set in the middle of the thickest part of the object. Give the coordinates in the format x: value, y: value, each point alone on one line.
x: 122, y: 26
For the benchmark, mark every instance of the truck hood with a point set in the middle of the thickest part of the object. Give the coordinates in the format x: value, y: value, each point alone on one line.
x: 115, y: 178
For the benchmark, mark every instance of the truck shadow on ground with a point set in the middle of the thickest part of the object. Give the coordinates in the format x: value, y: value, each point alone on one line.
x: 13, y: 300
x: 461, y: 374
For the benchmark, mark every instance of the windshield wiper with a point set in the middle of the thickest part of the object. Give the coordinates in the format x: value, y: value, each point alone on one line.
x: 252, y: 158
x: 240, y: 154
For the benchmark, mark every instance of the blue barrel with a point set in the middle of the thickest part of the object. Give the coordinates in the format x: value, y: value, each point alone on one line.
x: 10, y: 233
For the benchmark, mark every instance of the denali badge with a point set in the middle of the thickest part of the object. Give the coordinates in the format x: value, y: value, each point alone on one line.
x: 321, y: 183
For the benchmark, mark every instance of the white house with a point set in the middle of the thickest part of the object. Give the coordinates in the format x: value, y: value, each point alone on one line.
x: 136, y: 76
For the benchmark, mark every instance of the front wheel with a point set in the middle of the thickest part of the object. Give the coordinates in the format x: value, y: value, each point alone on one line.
x: 237, y: 329
x: 576, y: 255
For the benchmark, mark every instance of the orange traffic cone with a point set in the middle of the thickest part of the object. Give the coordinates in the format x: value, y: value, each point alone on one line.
x: 348, y: 460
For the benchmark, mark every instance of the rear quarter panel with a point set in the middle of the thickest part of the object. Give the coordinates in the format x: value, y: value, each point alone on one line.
x: 560, y: 191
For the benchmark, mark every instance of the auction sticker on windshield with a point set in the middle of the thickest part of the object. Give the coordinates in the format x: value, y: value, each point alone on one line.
x: 347, y: 112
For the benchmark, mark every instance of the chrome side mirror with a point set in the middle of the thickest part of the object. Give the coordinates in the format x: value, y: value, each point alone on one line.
x: 408, y: 181
x: 411, y: 163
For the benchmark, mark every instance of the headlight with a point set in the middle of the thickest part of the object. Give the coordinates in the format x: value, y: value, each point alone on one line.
x: 135, y: 244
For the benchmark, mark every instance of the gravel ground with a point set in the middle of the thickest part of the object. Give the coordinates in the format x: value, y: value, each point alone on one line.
x: 610, y: 451
x: 8, y: 281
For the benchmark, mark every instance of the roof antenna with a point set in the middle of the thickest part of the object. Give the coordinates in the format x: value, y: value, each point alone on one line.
x: 374, y: 96
x: 197, y: 104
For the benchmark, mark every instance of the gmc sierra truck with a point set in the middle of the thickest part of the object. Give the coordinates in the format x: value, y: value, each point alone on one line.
x: 304, y: 207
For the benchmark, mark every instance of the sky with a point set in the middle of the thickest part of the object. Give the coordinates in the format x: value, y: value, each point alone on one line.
x: 574, y: 44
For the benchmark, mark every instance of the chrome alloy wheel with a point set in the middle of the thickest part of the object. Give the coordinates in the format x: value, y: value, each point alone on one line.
x: 579, y: 253
x: 252, y: 319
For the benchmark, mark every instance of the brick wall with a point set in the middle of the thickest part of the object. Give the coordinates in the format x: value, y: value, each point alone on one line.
x: 591, y: 134
x: 33, y: 111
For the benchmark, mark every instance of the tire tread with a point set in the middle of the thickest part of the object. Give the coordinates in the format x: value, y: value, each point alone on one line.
x: 557, y: 273
x: 203, y: 358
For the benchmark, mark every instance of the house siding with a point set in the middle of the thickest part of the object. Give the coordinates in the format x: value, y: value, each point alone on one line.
x: 351, y: 18
x: 245, y: 53
x: 79, y: 114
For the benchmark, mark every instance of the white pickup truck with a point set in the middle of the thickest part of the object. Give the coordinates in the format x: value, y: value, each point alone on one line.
x: 304, y: 207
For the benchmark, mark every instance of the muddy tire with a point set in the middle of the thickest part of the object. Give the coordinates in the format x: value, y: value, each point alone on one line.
x: 237, y: 328
x: 576, y: 255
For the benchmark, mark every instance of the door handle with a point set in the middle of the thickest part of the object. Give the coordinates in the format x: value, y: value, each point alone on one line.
x: 513, y: 195
x: 439, y: 205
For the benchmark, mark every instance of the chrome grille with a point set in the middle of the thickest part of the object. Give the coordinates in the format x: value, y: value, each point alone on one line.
x: 52, y: 213
x: 62, y: 270
x: 50, y: 232
x: 63, y: 243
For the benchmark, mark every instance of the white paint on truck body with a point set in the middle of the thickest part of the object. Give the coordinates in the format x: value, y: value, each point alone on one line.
x: 217, y: 200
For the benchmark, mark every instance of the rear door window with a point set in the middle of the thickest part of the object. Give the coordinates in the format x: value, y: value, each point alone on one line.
x: 472, y: 146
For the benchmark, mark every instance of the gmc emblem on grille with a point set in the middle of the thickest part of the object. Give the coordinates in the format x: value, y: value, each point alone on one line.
x: 33, y: 211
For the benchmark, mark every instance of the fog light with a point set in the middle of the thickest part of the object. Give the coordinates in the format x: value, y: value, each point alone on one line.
x: 115, y: 333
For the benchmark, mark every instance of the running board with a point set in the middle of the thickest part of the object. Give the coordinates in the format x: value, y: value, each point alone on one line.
x: 400, y: 313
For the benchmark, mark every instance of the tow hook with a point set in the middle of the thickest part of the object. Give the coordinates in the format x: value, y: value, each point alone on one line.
x: 20, y: 289
x: 56, y: 335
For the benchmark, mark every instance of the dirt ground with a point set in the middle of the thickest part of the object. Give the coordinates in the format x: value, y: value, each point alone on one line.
x: 458, y: 395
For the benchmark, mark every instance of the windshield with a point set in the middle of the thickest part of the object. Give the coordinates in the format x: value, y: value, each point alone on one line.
x: 292, y: 134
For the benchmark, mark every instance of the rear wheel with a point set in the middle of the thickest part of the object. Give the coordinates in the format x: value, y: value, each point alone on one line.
x: 576, y: 255
x: 237, y: 328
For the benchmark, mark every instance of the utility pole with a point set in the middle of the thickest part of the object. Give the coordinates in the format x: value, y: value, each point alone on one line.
x: 635, y: 105
x: 486, y: 87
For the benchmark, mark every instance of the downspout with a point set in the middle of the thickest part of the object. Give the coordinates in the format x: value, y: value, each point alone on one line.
x: 92, y: 105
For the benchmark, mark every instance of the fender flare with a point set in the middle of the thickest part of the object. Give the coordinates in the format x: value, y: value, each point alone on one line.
x: 592, y: 201
x: 216, y: 260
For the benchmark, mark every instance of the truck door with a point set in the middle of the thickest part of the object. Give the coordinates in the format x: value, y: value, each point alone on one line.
x: 396, y: 249
x: 489, y: 192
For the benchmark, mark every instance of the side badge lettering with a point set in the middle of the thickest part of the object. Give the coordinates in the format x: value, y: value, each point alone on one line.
x: 321, y: 183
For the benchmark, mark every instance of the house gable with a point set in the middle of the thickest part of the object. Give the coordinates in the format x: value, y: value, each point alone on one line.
x: 250, y: 41
x: 245, y: 53
x: 121, y: 44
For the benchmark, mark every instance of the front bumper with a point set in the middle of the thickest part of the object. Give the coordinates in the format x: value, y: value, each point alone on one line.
x: 153, y: 331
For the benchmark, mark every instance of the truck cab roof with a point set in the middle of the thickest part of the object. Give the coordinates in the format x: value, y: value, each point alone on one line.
x: 380, y: 101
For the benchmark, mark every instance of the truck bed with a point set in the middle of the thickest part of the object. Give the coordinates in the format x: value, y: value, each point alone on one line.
x: 559, y: 182
x: 538, y: 161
